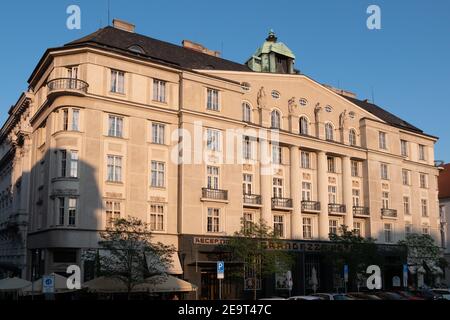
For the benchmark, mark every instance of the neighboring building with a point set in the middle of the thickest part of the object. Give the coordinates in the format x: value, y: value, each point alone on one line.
x: 444, y: 213
x: 99, y: 119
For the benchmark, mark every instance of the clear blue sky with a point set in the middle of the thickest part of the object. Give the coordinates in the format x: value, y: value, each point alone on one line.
x: 406, y: 62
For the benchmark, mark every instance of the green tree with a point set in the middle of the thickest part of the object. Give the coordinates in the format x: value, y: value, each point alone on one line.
x: 422, y: 248
x: 129, y: 255
x: 256, y: 246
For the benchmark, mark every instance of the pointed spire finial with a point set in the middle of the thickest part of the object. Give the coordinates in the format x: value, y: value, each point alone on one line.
x: 271, y: 36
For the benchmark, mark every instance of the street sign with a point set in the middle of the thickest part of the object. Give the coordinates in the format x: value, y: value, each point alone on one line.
x: 48, y: 284
x: 220, y: 269
x: 346, y: 273
x: 405, y: 275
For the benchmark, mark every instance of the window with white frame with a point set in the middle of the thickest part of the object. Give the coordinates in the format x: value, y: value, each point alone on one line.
x: 388, y: 233
x: 156, y: 217
x: 114, y: 168
x: 212, y: 102
x: 277, y: 187
x: 75, y: 120
x: 352, y: 137
x: 212, y: 179
x: 247, y: 147
x: 404, y: 148
x: 278, y: 226
x: 307, y: 228
x: 385, y: 200
x: 357, y: 228
x: 331, y: 165
x: 305, y: 160
x: 425, y: 229
x: 248, y: 221
x: 70, y: 119
x: 115, y: 126
x: 66, y: 211
x: 117, y: 81
x: 384, y: 171
x: 382, y: 140
x: 73, y: 164
x: 213, y: 138
x: 158, y: 170
x: 356, y: 197
x: 275, y: 119
x: 422, y: 155
x: 276, y: 154
x: 246, y: 112
x: 333, y: 226
x: 306, y: 191
x: 72, y: 72
x: 423, y: 180
x: 424, y: 207
x: 332, y: 194
x: 406, y: 206
x: 304, y: 123
x: 72, y: 211
x: 355, y: 168
x: 159, y: 90
x: 408, y: 228
x: 329, y: 132
x: 158, y: 133
x: 406, y: 177
x: 113, y: 212
x: 213, y: 220
x: 247, y: 184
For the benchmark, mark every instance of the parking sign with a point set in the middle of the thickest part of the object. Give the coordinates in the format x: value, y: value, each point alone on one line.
x: 220, y: 269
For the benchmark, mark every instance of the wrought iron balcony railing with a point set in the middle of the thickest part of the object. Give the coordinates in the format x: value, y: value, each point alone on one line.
x: 214, y: 194
x: 361, y: 211
x: 336, y: 208
x: 252, y: 199
x: 67, y: 84
x: 310, y: 205
x: 281, y: 203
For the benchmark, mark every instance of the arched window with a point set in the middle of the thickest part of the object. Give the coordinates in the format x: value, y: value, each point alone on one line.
x: 352, y: 137
x: 304, y: 125
x: 246, y: 112
x: 329, y: 132
x: 275, y: 119
x: 137, y: 49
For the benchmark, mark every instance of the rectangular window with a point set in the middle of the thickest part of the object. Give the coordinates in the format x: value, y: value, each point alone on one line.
x: 276, y: 154
x: 159, y: 90
x: 306, y: 191
x: 425, y: 229
x: 277, y: 188
x: 248, y: 221
x: 356, y: 197
x: 357, y: 228
x: 212, y: 100
x: 331, y: 165
x: 355, y: 169
x: 423, y: 180
x: 213, y: 139
x: 278, y: 226
x: 408, y: 228
x: 382, y: 140
x: 63, y: 168
x: 333, y: 226
x: 247, y: 148
x: 385, y: 200
x: 384, y: 171
x: 113, y: 212
x: 117, y: 81
x: 158, y: 174
x: 332, y: 194
x: 114, y: 168
x: 406, y: 206
x: 72, y: 72
x: 404, y: 147
x: 247, y: 184
x: 405, y: 177
x: 388, y: 232
x: 307, y: 228
x: 158, y: 133
x: 305, y: 160
x: 61, y: 211
x: 65, y: 119
x: 212, y: 177
x: 156, y: 217
x: 75, y: 120
x: 424, y: 206
x: 213, y: 220
x: 72, y: 211
x: 422, y: 155
x: 115, y: 126
x: 73, y: 164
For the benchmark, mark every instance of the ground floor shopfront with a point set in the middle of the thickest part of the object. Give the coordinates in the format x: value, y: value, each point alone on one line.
x: 312, y: 269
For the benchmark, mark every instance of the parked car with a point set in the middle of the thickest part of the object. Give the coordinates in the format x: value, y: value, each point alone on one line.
x: 333, y: 296
x: 428, y: 294
x: 273, y: 298
x: 389, y: 296
x: 443, y: 294
x: 308, y: 298
x: 363, y: 296
x: 409, y: 295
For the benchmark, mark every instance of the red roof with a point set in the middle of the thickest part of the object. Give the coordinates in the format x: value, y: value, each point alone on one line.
x: 444, y: 182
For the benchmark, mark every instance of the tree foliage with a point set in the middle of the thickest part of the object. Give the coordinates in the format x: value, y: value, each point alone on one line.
x: 422, y: 248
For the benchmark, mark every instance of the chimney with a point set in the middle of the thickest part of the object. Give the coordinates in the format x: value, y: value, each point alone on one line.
x: 123, y: 25
x: 200, y: 48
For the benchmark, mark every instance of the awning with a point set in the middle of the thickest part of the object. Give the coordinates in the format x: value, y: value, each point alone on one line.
x: 36, y: 288
x: 13, y: 284
x: 173, y: 268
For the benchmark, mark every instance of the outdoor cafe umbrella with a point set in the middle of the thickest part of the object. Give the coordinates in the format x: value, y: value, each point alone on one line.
x: 36, y: 286
x: 13, y: 284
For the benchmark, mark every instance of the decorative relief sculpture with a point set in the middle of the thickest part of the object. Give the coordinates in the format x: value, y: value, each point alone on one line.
x: 262, y: 98
x: 317, y: 111
x: 342, y: 119
x: 292, y: 104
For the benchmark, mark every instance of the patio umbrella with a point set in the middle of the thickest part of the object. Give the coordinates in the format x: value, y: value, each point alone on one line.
x: 36, y: 287
x: 13, y: 284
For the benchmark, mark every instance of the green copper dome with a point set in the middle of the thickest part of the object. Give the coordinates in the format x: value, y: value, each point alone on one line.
x: 271, y: 45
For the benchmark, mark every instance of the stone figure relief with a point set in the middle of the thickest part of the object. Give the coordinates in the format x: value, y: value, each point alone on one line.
x: 262, y: 99
x: 342, y: 119
x: 317, y: 111
x: 292, y: 105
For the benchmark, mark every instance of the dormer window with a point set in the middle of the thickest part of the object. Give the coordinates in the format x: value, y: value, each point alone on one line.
x: 137, y: 49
